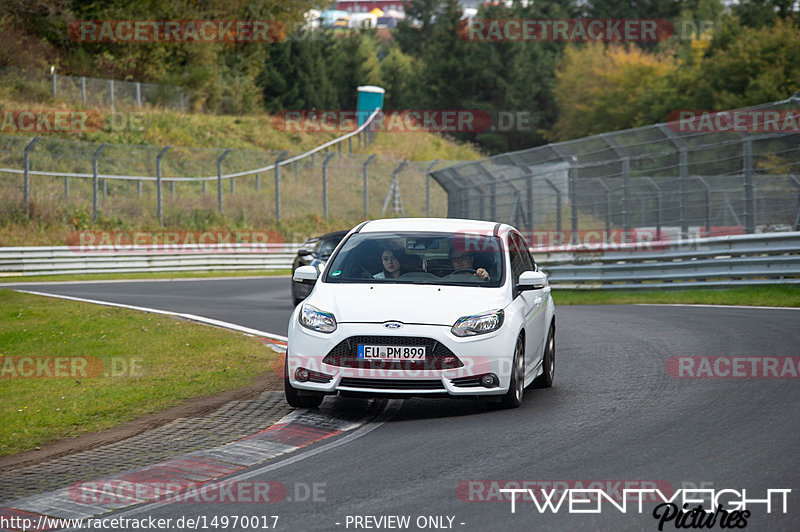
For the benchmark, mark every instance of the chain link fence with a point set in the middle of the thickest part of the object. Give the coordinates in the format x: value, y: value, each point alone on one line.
x: 120, y: 182
x: 662, y: 179
x: 96, y: 92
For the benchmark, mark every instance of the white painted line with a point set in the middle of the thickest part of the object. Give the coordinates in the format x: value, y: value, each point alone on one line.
x: 713, y: 306
x: 162, y: 280
x: 200, y: 319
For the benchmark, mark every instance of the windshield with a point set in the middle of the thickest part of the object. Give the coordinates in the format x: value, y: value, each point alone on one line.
x: 419, y: 258
x: 327, y: 246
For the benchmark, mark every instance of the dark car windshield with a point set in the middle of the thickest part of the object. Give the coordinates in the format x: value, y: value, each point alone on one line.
x: 327, y: 245
x: 419, y: 258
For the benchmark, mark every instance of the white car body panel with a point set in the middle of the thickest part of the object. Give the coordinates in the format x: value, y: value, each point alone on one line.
x: 423, y: 310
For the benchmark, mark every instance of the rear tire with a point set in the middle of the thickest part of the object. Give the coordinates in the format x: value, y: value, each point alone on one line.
x: 545, y: 380
x: 293, y: 396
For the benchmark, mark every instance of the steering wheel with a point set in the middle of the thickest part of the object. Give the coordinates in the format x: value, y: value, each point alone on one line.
x: 464, y: 270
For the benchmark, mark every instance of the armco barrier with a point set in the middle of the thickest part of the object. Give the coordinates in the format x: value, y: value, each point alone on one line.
x: 15, y: 261
x: 772, y: 258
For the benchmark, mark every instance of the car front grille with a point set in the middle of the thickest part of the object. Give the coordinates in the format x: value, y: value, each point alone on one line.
x: 393, y: 384
x: 437, y: 356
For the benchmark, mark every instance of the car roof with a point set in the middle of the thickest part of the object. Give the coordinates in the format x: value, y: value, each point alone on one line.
x: 335, y: 234
x: 446, y: 225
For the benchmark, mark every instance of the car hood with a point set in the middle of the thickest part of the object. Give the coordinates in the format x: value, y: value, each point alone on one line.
x: 406, y: 303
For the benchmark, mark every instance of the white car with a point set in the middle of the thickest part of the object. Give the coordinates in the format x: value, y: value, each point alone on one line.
x: 423, y: 307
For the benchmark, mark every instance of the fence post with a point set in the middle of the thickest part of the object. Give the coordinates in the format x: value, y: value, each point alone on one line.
x: 66, y: 188
x: 658, y: 205
x: 339, y: 148
x: 94, y: 180
x: 111, y: 89
x: 26, y: 181
x: 83, y: 91
x: 278, y: 184
x: 54, y: 85
x: 138, y: 95
x: 394, y: 191
x: 219, y: 177
x: 105, y: 189
x: 428, y: 187
x: 160, y: 207
x: 366, y: 186
x: 749, y: 199
x: 626, y: 197
x: 139, y: 187
x: 350, y: 145
x: 796, y: 224
x: 233, y: 185
x: 558, y: 203
x: 325, y: 183
x: 608, y: 207
x: 708, y: 203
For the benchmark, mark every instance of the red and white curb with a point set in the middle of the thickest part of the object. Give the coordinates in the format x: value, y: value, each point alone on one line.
x: 294, y: 431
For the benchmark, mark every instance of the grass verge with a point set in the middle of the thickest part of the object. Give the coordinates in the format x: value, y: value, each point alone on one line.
x: 764, y: 296
x: 33, y: 279
x: 125, y: 364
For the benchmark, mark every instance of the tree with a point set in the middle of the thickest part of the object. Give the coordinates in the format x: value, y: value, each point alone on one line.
x: 601, y: 88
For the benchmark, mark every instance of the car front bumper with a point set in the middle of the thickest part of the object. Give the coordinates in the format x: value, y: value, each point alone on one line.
x: 491, y: 353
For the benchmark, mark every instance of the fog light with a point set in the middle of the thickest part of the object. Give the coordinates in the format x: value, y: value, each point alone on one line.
x: 301, y: 374
x: 489, y: 380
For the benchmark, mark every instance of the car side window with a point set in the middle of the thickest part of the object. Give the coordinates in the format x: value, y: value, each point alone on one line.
x: 518, y: 263
x: 526, y: 254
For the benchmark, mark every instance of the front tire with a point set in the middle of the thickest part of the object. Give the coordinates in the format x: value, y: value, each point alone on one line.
x: 293, y: 396
x: 545, y: 380
x: 516, y: 387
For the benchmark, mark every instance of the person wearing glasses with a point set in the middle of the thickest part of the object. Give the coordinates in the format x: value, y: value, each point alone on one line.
x: 463, y: 263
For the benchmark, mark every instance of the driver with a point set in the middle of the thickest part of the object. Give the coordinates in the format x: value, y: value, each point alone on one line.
x: 463, y: 260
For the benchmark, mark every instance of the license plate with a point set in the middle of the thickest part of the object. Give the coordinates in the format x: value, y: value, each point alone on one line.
x: 391, y: 352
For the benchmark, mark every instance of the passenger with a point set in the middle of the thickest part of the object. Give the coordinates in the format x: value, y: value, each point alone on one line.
x: 390, y: 260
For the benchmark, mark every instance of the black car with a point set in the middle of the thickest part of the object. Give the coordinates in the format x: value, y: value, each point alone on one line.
x: 315, y: 251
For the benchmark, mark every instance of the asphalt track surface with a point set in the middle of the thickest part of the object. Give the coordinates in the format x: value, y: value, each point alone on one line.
x: 614, y: 414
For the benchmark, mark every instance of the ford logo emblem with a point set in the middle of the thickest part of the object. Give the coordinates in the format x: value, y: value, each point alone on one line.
x: 393, y: 325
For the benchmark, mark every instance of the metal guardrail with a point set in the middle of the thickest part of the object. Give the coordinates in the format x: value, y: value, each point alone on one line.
x: 772, y: 258
x: 56, y: 260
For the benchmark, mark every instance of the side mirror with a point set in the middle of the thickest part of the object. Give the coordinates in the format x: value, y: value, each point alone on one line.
x: 531, y: 281
x: 305, y: 275
x: 305, y: 252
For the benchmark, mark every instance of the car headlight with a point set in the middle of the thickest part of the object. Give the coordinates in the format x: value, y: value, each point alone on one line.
x: 317, y: 320
x: 480, y: 324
